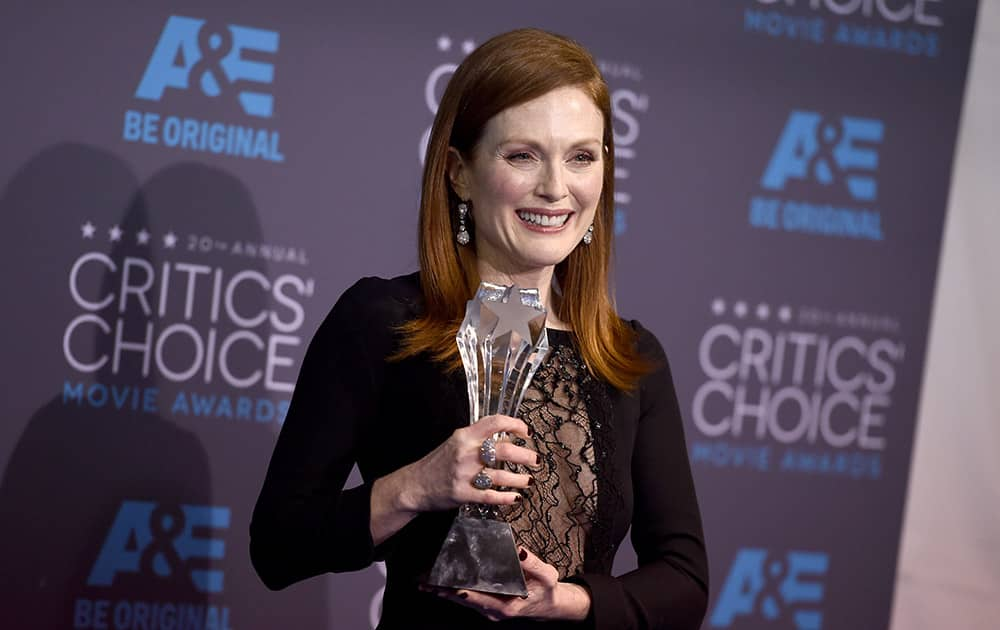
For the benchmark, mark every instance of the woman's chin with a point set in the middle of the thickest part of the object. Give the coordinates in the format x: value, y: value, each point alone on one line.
x: 531, y: 254
x: 546, y: 259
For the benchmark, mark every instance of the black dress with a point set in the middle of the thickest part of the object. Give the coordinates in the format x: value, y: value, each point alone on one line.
x: 612, y: 460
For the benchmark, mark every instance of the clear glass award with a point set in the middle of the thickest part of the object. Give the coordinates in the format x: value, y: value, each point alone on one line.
x: 502, y: 341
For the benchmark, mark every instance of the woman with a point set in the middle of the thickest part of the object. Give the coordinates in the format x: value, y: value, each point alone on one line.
x: 518, y: 189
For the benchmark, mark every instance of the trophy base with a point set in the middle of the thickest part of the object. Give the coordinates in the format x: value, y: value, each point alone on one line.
x: 479, y: 555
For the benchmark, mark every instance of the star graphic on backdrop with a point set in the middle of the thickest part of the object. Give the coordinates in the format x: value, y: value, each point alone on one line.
x: 88, y: 229
x: 170, y: 240
x: 115, y: 233
x: 142, y: 237
x: 513, y: 316
x: 785, y: 313
x: 444, y: 43
x: 468, y: 46
x: 763, y: 311
x: 740, y: 309
x: 718, y: 306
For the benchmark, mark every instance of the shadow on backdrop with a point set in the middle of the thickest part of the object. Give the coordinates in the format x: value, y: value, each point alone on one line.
x: 108, y: 497
x: 94, y: 473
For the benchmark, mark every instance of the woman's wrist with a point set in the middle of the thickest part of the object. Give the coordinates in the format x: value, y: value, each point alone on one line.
x: 572, y: 601
x: 408, y: 491
x: 392, y: 505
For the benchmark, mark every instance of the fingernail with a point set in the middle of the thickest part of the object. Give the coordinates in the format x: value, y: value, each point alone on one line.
x: 530, y: 431
x: 517, y: 498
x: 531, y: 481
x: 538, y: 460
x: 464, y: 595
x: 523, y: 555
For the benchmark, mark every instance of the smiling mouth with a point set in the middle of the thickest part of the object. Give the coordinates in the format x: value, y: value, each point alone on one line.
x: 538, y: 219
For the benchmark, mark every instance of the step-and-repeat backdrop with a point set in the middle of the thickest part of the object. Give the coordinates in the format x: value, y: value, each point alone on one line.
x: 186, y: 188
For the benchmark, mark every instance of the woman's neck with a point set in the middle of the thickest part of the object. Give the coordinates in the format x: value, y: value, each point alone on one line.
x: 540, y: 279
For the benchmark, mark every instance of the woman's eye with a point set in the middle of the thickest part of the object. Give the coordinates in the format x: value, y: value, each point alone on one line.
x: 520, y: 156
x: 584, y: 157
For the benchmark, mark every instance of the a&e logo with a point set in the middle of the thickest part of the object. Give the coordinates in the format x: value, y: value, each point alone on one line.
x: 763, y: 586
x: 228, y: 62
x: 160, y: 540
x: 819, y: 170
x: 213, y: 58
x: 828, y: 151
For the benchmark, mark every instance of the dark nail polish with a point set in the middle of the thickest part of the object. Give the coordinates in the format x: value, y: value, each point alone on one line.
x: 538, y: 460
x: 530, y: 431
x: 531, y: 481
x: 523, y: 555
x: 517, y: 498
x: 464, y: 595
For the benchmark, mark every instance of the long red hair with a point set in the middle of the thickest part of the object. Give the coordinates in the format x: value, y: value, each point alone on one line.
x: 508, y: 70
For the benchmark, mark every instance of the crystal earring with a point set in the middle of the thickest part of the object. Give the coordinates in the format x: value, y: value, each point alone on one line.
x: 588, y: 236
x: 463, y: 234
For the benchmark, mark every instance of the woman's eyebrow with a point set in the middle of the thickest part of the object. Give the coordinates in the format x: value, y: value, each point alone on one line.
x: 536, y: 144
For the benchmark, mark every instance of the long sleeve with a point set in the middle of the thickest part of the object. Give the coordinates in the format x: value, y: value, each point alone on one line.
x: 669, y: 589
x: 304, y: 523
x: 347, y: 399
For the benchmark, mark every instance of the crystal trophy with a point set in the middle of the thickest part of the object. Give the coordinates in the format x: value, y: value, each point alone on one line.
x: 502, y: 341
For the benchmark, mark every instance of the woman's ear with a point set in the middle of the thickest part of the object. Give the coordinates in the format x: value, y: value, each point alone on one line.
x: 457, y: 173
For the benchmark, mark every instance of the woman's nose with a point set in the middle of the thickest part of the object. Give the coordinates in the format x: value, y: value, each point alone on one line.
x: 552, y: 183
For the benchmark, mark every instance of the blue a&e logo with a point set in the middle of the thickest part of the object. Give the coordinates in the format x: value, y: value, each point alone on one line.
x: 159, y: 540
x: 829, y: 151
x: 216, y: 61
x: 820, y: 178
x: 191, y: 51
x: 765, y: 587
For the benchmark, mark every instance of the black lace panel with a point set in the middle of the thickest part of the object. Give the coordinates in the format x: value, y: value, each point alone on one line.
x: 558, y: 516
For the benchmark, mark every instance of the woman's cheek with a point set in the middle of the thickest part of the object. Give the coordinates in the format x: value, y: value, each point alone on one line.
x: 509, y: 186
x: 590, y: 191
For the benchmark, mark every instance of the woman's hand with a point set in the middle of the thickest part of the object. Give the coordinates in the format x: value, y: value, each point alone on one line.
x: 548, y: 598
x: 442, y: 479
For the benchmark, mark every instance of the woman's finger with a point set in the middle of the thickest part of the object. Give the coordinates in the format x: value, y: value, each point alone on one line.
x: 493, y: 606
x: 489, y: 425
x: 501, y: 478
x: 507, y: 479
x: 507, y: 452
x: 535, y: 567
x: 491, y: 497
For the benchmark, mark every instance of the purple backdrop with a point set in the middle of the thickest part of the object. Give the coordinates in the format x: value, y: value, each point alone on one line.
x: 186, y: 189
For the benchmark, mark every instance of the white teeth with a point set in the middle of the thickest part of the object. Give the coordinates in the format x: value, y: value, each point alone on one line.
x: 543, y: 219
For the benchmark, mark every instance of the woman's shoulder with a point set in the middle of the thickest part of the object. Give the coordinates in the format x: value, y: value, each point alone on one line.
x: 647, y: 343
x: 377, y: 304
x: 652, y: 352
x: 372, y: 308
x: 658, y: 379
x: 372, y: 294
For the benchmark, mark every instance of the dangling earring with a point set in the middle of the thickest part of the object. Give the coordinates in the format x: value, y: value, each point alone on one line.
x: 588, y: 236
x: 463, y: 234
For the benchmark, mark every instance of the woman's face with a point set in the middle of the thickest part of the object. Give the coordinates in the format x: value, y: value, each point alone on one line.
x: 534, y: 180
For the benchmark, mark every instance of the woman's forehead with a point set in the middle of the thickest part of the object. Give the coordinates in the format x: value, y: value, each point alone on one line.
x: 565, y: 113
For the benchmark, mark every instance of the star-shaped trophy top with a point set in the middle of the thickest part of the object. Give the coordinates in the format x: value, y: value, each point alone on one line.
x: 502, y: 341
x: 513, y: 315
